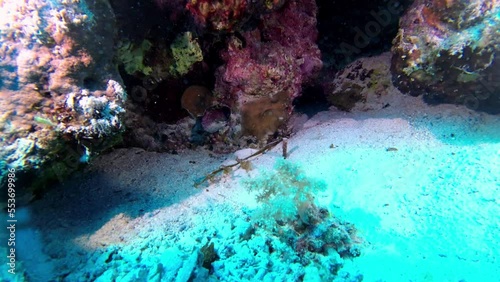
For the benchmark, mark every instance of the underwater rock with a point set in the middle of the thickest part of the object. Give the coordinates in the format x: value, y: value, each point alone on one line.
x: 209, y: 255
x: 445, y: 50
x: 363, y: 84
x: 269, y: 62
x: 215, y: 118
x: 59, y: 89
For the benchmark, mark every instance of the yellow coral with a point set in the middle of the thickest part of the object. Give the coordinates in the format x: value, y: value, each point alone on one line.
x: 186, y: 52
x: 132, y: 57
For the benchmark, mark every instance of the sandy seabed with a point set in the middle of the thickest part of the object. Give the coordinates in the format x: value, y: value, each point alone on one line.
x: 420, y: 183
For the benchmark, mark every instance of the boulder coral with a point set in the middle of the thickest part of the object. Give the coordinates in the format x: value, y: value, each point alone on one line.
x: 445, y: 50
x: 60, y: 94
x: 268, y: 63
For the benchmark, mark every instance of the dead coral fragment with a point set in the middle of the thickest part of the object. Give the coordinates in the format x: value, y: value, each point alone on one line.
x: 243, y: 163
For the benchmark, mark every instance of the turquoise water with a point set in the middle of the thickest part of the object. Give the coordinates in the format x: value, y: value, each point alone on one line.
x: 423, y: 212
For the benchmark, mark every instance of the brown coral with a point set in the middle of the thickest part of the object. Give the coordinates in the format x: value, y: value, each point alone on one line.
x: 196, y: 99
x: 265, y: 116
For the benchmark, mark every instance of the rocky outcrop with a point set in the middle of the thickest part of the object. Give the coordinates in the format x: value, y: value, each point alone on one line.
x: 60, y: 93
x: 363, y: 85
x: 445, y: 50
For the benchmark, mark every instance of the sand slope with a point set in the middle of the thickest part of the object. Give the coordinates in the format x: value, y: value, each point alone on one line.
x: 426, y: 210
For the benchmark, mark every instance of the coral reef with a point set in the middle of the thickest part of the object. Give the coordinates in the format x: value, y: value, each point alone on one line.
x: 445, y: 50
x: 264, y: 64
x: 270, y: 62
x: 165, y: 58
x: 60, y: 94
x: 229, y: 15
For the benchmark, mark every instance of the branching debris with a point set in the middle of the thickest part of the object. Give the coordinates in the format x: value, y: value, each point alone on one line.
x: 243, y: 163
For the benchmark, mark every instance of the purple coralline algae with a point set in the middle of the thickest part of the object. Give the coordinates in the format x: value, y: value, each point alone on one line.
x: 60, y: 93
x: 445, y: 50
x: 215, y: 119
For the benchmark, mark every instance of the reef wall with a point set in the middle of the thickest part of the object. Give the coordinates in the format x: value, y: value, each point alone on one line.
x: 60, y: 93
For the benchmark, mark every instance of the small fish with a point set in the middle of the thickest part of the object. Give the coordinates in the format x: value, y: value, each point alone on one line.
x: 44, y: 121
x: 391, y: 149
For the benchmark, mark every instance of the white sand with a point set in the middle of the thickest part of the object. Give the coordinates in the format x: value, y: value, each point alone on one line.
x: 426, y: 212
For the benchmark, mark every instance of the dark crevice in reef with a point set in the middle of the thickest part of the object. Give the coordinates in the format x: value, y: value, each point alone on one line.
x: 159, y: 98
x: 311, y: 102
x: 349, y: 30
x: 139, y: 19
